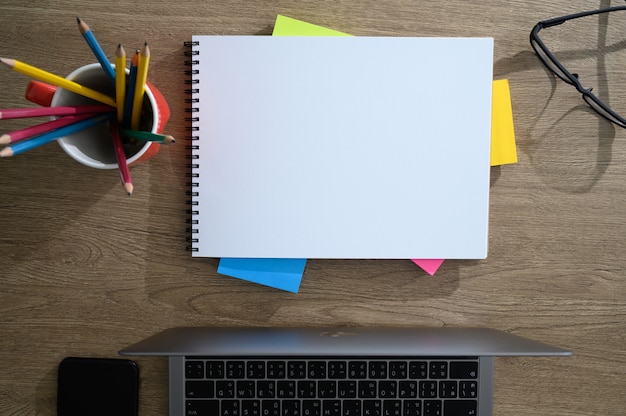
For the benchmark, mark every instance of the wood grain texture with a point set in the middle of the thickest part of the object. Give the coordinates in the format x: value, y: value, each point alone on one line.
x: 86, y: 270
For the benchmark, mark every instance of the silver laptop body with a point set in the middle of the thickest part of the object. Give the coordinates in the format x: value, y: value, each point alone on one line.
x: 326, y: 346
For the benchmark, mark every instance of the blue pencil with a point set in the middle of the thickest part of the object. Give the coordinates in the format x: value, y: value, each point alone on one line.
x: 96, y: 49
x: 23, y: 146
x: 130, y: 90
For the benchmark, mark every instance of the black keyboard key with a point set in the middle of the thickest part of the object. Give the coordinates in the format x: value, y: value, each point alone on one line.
x: 407, y: 389
x: 412, y: 408
x: 266, y: 389
x: 251, y: 408
x: 433, y: 408
x: 418, y: 369
x: 286, y: 389
x: 463, y: 370
x: 230, y: 408
x: 246, y: 389
x: 276, y: 369
x: 327, y: 389
x: 357, y: 369
x: 296, y: 369
x: 438, y: 369
x: 346, y: 389
x: 270, y: 407
x: 317, y: 369
x: 194, y: 369
x: 202, y: 407
x: 460, y: 407
x: 224, y: 389
x: 427, y: 389
x: 331, y: 408
x: 398, y: 369
x: 214, y: 369
x: 351, y: 408
x: 387, y: 389
x: 291, y: 408
x: 372, y: 408
x: 378, y: 369
x: 368, y: 389
x: 235, y: 369
x: 307, y: 389
x: 311, y: 408
x: 468, y: 389
x: 256, y: 369
x: 337, y: 369
x: 448, y: 389
x: 199, y: 389
x: 392, y: 408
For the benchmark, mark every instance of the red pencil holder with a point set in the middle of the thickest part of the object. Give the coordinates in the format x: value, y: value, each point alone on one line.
x: 96, y: 151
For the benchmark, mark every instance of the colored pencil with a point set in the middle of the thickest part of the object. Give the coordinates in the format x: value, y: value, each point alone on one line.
x: 38, y: 129
x: 50, y: 78
x: 148, y: 136
x: 120, y: 81
x: 130, y: 90
x: 37, y: 141
x: 53, y: 111
x: 140, y: 86
x: 96, y: 49
x: 120, y: 156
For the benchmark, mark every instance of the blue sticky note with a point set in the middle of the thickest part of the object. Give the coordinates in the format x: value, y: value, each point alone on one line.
x: 284, y: 274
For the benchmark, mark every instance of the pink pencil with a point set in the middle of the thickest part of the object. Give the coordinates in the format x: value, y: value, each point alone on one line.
x: 54, y: 111
x: 28, y: 132
x: 121, y: 157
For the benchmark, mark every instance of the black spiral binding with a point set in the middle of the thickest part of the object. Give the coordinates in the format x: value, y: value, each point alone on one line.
x: 192, y: 139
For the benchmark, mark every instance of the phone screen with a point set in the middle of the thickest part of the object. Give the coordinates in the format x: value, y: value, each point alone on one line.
x: 97, y: 386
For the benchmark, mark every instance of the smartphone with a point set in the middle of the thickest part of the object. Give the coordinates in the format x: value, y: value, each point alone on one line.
x: 97, y: 386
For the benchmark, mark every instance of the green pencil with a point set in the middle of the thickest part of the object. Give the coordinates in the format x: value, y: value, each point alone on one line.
x: 147, y: 136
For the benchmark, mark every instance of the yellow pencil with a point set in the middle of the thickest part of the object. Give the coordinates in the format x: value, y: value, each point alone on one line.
x: 140, y: 86
x: 120, y: 81
x: 50, y: 78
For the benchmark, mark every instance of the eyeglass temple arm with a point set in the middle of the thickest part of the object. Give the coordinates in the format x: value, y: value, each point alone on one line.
x: 560, y: 20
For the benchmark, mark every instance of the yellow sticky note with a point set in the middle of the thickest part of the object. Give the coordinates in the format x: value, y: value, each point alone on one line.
x: 286, y: 26
x: 503, y: 149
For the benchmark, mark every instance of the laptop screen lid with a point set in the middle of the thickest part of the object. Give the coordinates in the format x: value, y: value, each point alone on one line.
x: 399, y: 341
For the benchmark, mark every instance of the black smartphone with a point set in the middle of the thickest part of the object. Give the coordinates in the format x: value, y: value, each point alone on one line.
x: 97, y: 386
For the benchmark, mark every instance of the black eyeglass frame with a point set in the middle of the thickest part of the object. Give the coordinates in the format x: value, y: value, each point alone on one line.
x: 590, y: 98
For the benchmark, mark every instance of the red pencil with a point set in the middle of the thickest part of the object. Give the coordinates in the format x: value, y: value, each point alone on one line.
x: 121, y: 157
x: 54, y: 111
x: 38, y: 129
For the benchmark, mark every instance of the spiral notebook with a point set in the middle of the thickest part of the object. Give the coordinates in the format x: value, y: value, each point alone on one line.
x: 340, y: 147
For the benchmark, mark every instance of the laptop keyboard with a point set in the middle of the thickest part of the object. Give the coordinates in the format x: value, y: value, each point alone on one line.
x: 435, y: 386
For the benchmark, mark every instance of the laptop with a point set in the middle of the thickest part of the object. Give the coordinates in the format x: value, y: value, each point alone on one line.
x: 334, y: 372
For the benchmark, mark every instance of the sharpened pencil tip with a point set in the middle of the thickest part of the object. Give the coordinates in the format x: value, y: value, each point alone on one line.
x: 6, y: 152
x: 128, y: 187
x: 8, y: 62
x: 77, y: 19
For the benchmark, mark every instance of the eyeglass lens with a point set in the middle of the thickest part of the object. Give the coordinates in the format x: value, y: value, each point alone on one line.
x: 549, y: 62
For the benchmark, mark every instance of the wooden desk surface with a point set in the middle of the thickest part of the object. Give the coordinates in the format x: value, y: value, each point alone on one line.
x: 86, y: 270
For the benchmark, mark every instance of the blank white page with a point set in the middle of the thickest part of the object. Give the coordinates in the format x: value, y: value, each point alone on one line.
x: 343, y: 147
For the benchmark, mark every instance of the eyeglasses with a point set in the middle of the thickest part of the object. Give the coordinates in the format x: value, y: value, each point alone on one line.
x: 550, y: 61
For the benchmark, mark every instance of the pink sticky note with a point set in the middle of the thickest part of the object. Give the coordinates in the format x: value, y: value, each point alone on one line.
x: 430, y: 266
